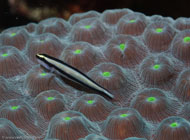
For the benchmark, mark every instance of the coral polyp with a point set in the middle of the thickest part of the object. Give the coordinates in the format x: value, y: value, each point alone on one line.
x: 158, y: 36
x: 175, y: 128
x: 123, y: 123
x: 106, y: 74
x: 135, y: 138
x: 6, y: 93
x: 125, y: 50
x: 182, y: 87
x: 111, y: 17
x: 182, y: 23
x: 180, y: 46
x: 76, y: 124
x: 14, y: 36
x: 31, y: 27
x: 13, y: 62
x: 90, y: 30
x: 94, y: 137
x: 23, y: 116
x: 94, y: 107
x: 49, y: 103
x: 114, y: 78
x: 77, y: 17
x: 184, y: 111
x: 158, y: 71
x: 154, y: 105
x: 81, y: 53
x: 56, y: 26
x: 38, y: 80
x: 8, y: 130
x: 132, y: 24
x: 44, y: 43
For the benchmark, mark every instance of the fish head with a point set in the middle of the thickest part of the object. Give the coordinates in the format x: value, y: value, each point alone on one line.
x: 42, y: 61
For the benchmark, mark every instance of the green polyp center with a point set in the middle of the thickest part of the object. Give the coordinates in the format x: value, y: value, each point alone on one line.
x: 43, y: 74
x: 122, y: 46
x: 90, y: 101
x: 186, y: 39
x: 42, y: 41
x: 77, y: 51
x: 175, y: 124
x: 132, y: 20
x: 14, y: 107
x: 87, y: 26
x: 4, y: 54
x: 67, y: 118
x: 106, y: 74
x: 50, y: 98
x: 159, y: 30
x: 151, y: 99
x: 13, y: 34
x: 157, y: 66
x: 124, y: 115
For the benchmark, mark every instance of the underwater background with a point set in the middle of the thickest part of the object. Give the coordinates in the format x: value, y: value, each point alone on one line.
x: 139, y: 52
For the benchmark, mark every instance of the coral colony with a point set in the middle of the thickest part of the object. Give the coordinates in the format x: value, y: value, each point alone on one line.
x: 143, y: 61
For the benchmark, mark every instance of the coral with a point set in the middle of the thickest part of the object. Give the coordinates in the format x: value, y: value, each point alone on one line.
x: 123, y: 123
x: 14, y: 36
x: 12, y: 62
x: 143, y: 61
x: 111, y: 17
x: 90, y: 30
x: 125, y: 50
x: 132, y: 24
x: 180, y: 46
x: 6, y: 92
x: 154, y: 104
x: 56, y: 26
x: 93, y: 106
x: 31, y: 27
x: 37, y: 80
x: 173, y: 128
x: 158, y: 71
x: 9, y: 130
x: 182, y: 23
x: 81, y: 53
x: 182, y: 86
x: 112, y: 77
x: 185, y: 111
x: 135, y: 138
x: 80, y: 16
x: 109, y: 75
x: 94, y: 137
x: 23, y: 116
x: 48, y: 103
x: 75, y: 123
x: 44, y: 43
x: 159, y: 18
x: 158, y: 36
